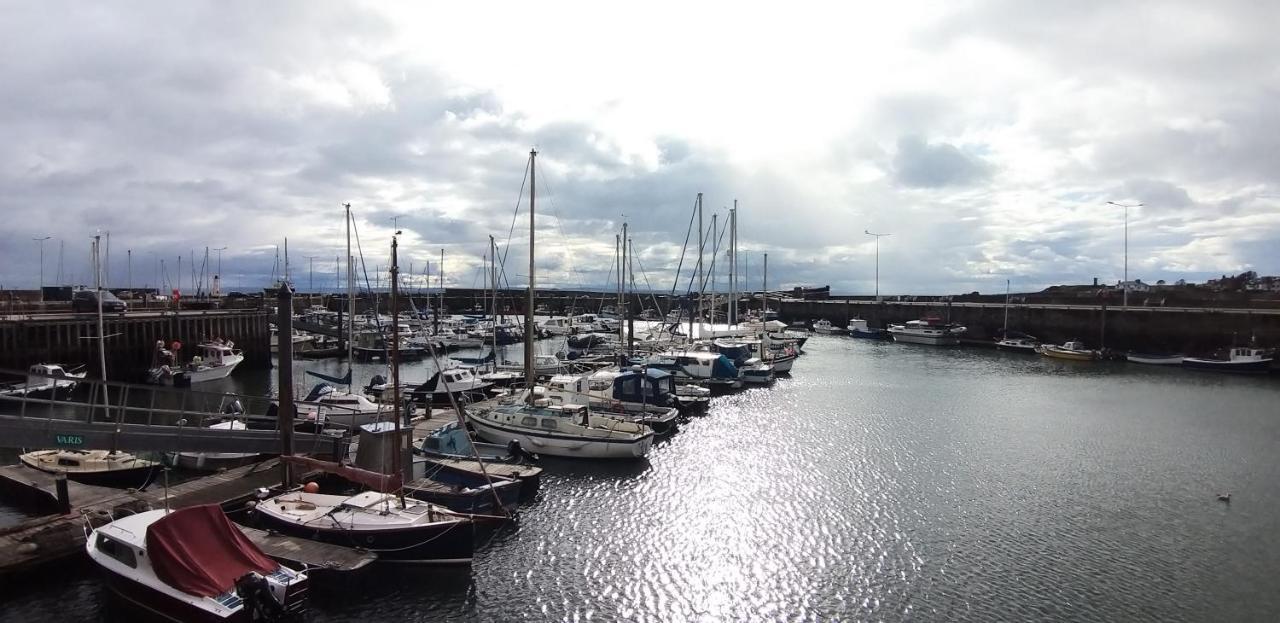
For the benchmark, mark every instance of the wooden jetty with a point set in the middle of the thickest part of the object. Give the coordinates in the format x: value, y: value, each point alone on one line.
x: 57, y: 536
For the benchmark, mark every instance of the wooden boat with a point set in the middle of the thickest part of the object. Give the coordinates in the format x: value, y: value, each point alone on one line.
x: 1154, y: 360
x: 1071, y: 351
x: 44, y: 379
x: 494, y: 498
x: 408, y: 531
x: 152, y: 562
x: 1240, y: 359
x: 105, y: 468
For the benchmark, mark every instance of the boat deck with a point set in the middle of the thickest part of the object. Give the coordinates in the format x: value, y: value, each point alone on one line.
x: 313, y: 554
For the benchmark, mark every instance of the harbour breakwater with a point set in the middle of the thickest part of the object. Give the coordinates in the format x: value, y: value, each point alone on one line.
x: 1191, y: 330
x: 72, y: 338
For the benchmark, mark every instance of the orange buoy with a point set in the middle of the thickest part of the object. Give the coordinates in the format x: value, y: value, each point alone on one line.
x: 311, y: 487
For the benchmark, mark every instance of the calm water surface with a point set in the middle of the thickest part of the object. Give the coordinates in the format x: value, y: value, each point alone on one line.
x: 879, y: 481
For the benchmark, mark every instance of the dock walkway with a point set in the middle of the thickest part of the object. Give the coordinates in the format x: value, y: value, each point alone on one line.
x: 54, y: 537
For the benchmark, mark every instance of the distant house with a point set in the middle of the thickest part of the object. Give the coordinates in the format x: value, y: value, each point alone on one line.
x: 1134, y: 286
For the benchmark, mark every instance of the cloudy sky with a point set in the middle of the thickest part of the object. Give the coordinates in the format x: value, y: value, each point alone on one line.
x: 986, y: 137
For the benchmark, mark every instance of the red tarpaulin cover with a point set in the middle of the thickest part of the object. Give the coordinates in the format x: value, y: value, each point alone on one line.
x: 198, y: 551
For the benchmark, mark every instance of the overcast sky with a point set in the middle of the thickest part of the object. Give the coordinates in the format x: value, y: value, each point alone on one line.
x: 986, y: 137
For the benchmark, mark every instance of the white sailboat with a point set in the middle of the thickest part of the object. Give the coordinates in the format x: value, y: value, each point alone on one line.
x: 1019, y: 343
x: 557, y: 430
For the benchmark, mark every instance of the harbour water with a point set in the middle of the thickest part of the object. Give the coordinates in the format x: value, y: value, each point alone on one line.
x: 880, y: 481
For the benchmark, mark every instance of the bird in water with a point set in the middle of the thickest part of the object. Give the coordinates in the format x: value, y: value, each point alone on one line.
x: 1224, y: 497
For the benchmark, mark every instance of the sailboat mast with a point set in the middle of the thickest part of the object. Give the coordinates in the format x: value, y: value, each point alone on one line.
x: 1006, y: 310
x: 764, y: 287
x: 493, y: 280
x: 97, y: 283
x: 701, y: 242
x: 395, y: 361
x: 351, y: 297
x: 528, y: 309
x: 617, y: 259
x: 625, y: 308
x: 733, y: 264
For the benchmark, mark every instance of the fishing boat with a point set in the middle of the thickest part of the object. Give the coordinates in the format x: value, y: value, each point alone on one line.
x: 636, y: 395
x: 1154, y: 359
x: 756, y: 372
x: 1018, y: 344
x: 825, y: 327
x: 543, y: 365
x: 1072, y: 351
x: 930, y: 330
x: 152, y: 561
x: 105, y: 468
x: 1240, y: 359
x: 217, y: 360
x: 703, y: 367
x: 458, y: 382
x: 325, y: 405
x: 454, y: 442
x: 44, y: 379
x: 397, y: 530
x: 857, y: 327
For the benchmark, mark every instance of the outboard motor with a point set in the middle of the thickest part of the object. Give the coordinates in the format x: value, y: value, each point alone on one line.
x: 258, y: 601
x: 517, y: 451
x: 376, y: 380
x: 233, y: 408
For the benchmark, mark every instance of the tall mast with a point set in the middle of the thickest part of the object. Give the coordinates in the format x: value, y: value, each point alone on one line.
x: 395, y: 364
x: 617, y: 259
x: 631, y: 289
x: 351, y: 296
x: 701, y: 242
x: 733, y: 264
x: 1006, y: 310
x: 97, y: 283
x: 528, y: 309
x: 493, y: 279
x: 625, y: 308
x: 764, y: 286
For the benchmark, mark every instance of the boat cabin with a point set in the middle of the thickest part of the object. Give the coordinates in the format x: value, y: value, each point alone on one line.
x: 217, y: 353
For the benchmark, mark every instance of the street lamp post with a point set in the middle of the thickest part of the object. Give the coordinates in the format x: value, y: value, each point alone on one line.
x: 41, y: 241
x: 877, y: 237
x: 1125, y: 283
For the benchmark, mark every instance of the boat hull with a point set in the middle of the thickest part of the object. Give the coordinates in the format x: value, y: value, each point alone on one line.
x: 126, y: 478
x: 928, y: 340
x: 869, y: 334
x: 1237, y: 367
x: 450, y: 543
x: 1067, y: 355
x: 1155, y: 360
x: 554, y: 445
x: 139, y: 596
x: 1016, y: 348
